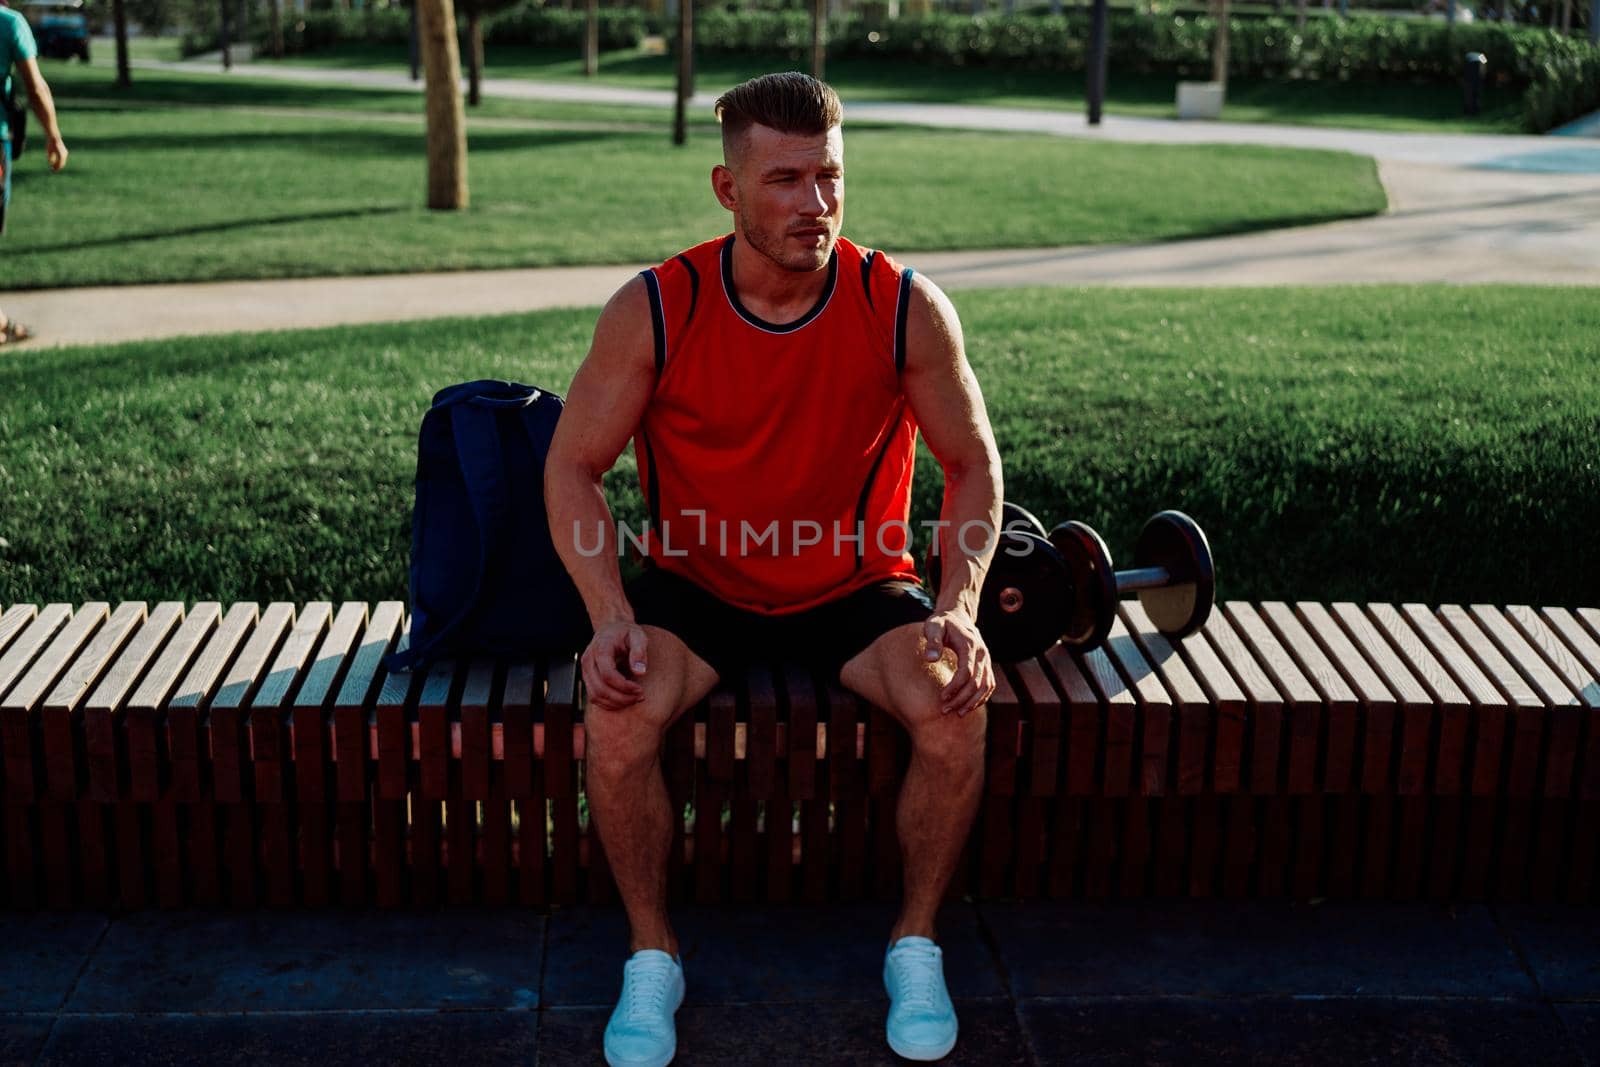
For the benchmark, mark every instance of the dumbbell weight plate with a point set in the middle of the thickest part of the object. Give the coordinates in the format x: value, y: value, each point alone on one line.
x: 1015, y: 516
x: 1091, y: 585
x: 1023, y: 607
x: 1012, y: 517
x: 1173, y: 541
x: 1023, y: 603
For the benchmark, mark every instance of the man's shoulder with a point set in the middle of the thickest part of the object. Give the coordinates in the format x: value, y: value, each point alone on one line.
x: 697, y: 256
x: 15, y: 34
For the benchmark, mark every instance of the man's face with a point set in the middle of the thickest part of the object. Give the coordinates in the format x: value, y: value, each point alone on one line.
x: 788, y: 192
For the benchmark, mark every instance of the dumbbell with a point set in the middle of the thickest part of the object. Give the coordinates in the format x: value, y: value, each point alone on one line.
x: 1023, y: 605
x: 1172, y: 573
x: 1039, y: 589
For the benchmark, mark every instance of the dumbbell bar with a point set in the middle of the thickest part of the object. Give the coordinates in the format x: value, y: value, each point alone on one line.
x: 1062, y: 587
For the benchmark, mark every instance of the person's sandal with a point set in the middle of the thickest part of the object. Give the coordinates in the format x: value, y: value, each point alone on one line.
x: 14, y: 331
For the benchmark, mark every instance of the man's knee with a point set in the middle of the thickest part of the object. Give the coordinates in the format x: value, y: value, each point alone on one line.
x: 622, y: 740
x: 911, y: 692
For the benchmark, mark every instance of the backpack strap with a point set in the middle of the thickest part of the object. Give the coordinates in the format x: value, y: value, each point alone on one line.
x: 472, y: 422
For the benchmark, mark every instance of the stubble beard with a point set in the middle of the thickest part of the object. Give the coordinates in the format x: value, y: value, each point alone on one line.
x: 798, y: 261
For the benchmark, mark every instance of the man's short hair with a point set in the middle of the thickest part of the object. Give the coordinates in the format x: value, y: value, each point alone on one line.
x: 789, y: 102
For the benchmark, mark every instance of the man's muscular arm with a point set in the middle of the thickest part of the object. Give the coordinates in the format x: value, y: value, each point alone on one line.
x: 949, y: 409
x: 603, y: 408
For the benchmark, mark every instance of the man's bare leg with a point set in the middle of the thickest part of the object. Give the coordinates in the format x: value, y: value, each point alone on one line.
x: 628, y: 801
x: 939, y: 798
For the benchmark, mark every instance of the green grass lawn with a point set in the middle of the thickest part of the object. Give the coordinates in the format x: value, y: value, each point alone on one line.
x: 1388, y: 443
x: 1422, y: 107
x: 172, y: 192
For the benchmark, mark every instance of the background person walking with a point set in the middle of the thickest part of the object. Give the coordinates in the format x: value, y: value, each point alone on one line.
x: 18, y: 51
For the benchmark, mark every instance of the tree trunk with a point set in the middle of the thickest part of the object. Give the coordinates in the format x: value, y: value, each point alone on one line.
x: 474, y: 55
x: 1566, y: 16
x: 591, y: 38
x: 680, y: 111
x: 1219, y: 48
x: 819, y: 38
x: 447, y: 120
x: 227, y: 54
x: 416, y: 49
x: 119, y: 16
x: 277, y: 29
x: 1300, y: 14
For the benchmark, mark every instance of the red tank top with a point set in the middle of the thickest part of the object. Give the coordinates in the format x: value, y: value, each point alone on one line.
x: 776, y: 460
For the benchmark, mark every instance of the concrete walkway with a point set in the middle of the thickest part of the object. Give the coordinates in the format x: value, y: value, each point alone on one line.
x: 1153, y: 982
x: 1463, y: 209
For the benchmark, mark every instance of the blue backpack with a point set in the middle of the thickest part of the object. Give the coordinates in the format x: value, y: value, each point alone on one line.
x: 485, y: 577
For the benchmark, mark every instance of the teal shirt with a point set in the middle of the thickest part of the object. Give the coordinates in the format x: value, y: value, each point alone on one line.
x: 16, y: 45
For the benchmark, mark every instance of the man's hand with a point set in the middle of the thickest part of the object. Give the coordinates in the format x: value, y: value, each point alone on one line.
x: 55, y: 150
x: 973, y: 681
x: 610, y: 685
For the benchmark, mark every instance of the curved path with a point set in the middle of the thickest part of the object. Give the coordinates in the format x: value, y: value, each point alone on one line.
x: 1463, y: 209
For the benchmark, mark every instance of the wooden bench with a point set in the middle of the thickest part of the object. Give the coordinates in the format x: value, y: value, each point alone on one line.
x: 249, y: 756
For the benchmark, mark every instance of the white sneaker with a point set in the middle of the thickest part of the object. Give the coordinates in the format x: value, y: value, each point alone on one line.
x: 922, y: 1020
x: 641, y: 1032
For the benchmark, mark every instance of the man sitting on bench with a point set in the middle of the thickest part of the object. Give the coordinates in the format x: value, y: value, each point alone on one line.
x: 773, y: 382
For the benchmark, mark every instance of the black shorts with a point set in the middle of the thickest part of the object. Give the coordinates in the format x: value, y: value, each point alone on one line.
x: 729, y: 638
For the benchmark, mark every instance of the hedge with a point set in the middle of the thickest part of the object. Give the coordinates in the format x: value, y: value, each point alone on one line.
x: 1558, y: 76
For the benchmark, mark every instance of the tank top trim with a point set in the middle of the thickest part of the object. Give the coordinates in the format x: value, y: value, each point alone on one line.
x: 726, y: 261
x: 903, y: 306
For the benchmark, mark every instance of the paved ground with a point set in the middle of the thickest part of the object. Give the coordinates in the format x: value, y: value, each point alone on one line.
x: 1463, y: 209
x: 1169, y: 982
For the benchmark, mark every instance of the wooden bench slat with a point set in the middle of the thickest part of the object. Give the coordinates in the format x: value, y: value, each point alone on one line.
x: 1028, y: 683
x: 433, y: 728
x: 1591, y: 619
x: 847, y: 785
x: 27, y: 700
x: 1083, y: 718
x: 248, y: 671
x: 1302, y: 703
x: 1121, y: 721
x: 1568, y: 687
x: 233, y: 755
x: 391, y: 721
x: 1155, y: 708
x: 1375, y: 738
x: 194, y: 695
x: 333, y: 656
x: 1526, y: 707
x: 1414, y: 704
x: 149, y: 745
x: 1341, y: 708
x: 311, y: 746
x: 1546, y: 682
x: 1587, y: 649
x: 1363, y: 831
x: 802, y: 716
x: 204, y: 678
x: 291, y: 662
x: 90, y: 666
x: 761, y: 745
x: 1194, y: 713
x: 102, y: 714
x: 19, y: 619
x: 477, y: 697
x: 516, y: 717
x: 29, y: 692
x: 560, y: 750
x: 1266, y: 704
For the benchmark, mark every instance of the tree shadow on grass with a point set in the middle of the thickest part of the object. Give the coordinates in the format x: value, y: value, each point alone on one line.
x: 341, y: 140
x: 214, y: 227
